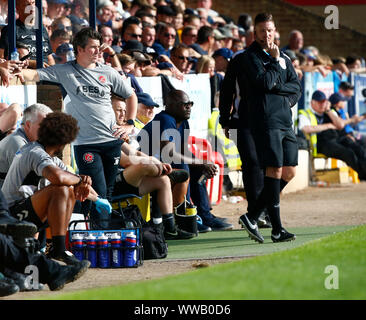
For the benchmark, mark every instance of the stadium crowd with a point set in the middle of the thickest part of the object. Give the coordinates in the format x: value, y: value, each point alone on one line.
x: 142, y: 38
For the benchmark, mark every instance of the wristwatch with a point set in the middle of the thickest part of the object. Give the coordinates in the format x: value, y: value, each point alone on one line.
x: 130, y: 122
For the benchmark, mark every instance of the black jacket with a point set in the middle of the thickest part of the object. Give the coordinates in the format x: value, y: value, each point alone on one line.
x: 267, y: 89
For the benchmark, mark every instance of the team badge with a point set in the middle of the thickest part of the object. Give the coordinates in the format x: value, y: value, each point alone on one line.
x: 282, y: 63
x: 88, y: 157
x: 102, y: 79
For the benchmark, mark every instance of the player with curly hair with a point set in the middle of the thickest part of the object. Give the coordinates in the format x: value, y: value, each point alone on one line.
x: 39, y: 189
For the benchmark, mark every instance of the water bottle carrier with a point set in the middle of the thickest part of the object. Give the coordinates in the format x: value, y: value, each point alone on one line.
x: 97, y: 233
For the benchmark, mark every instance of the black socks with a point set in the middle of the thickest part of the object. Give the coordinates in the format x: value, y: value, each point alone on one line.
x: 269, y: 198
x: 169, y: 223
x: 59, y: 244
x: 272, y: 189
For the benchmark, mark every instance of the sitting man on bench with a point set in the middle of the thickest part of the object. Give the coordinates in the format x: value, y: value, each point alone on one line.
x: 39, y: 189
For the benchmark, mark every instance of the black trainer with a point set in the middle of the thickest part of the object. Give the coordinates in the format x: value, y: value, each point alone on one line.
x: 16, y: 228
x: 7, y: 286
x: 283, y: 236
x: 178, y: 234
x: 251, y: 228
x: 68, y: 274
x: 217, y: 224
x: 66, y: 257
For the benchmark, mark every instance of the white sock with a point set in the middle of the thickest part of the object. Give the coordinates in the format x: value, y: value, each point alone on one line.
x: 157, y: 220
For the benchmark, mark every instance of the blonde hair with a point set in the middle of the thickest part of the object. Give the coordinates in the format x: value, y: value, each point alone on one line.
x: 202, y: 62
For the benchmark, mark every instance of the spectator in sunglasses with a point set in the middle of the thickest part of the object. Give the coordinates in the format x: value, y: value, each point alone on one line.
x: 132, y: 32
x: 165, y: 40
x: 62, y: 23
x: 181, y: 59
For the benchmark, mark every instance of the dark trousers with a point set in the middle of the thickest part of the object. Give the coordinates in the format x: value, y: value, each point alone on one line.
x: 252, y: 172
x: 100, y: 162
x: 334, y: 149
x: 17, y: 259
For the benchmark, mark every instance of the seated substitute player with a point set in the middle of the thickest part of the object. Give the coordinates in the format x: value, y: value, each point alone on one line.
x: 23, y: 190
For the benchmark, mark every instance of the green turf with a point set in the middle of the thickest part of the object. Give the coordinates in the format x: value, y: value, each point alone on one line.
x: 298, y: 273
x: 236, y: 243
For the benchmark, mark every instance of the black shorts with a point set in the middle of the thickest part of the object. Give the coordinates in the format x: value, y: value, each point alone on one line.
x: 123, y: 187
x: 277, y: 148
x: 23, y: 210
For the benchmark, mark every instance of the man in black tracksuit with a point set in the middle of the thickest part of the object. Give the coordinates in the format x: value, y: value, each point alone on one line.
x: 233, y: 92
x: 271, y: 88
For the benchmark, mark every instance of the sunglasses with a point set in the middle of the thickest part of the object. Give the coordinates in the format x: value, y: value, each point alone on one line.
x: 169, y: 35
x: 183, y: 58
x: 187, y: 104
x: 134, y: 35
x: 63, y: 27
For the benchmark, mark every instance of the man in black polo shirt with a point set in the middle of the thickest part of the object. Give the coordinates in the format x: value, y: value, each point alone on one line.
x: 26, y: 34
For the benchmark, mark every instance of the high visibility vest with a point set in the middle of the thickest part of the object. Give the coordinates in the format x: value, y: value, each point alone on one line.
x: 311, y: 137
x: 139, y: 124
x: 227, y: 146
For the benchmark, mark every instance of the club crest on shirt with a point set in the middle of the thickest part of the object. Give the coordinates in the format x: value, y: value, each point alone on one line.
x: 282, y: 63
x: 88, y: 157
x: 102, y: 79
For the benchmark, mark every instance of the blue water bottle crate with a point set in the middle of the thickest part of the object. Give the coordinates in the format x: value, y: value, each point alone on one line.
x: 115, y: 248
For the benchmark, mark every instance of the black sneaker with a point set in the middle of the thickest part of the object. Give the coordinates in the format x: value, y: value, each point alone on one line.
x: 68, y: 274
x: 178, y: 234
x: 7, y: 286
x: 66, y: 257
x: 226, y: 220
x: 217, y: 225
x: 178, y: 176
x: 252, y: 229
x: 283, y: 236
x: 201, y: 227
x: 16, y: 228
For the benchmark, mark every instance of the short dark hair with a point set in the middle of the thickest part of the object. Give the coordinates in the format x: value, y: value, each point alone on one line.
x: 345, y: 85
x: 203, y: 34
x: 57, y: 128
x: 82, y: 37
x: 263, y: 17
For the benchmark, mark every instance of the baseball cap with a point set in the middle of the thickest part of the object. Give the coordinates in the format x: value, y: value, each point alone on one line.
x: 63, y: 48
x: 133, y: 45
x: 223, y: 52
x: 141, y: 57
x: 226, y: 32
x: 309, y: 54
x: 336, y: 97
x: 218, y: 35
x: 318, y: 96
x: 146, y: 99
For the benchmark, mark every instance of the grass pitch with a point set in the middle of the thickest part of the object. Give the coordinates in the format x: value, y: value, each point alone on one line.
x: 328, y: 268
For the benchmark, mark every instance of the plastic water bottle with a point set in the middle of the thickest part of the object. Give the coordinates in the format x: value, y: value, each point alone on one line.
x: 78, y: 246
x: 117, y: 256
x: 130, y: 252
x: 91, y: 247
x: 70, y: 55
x: 103, y: 252
x: 14, y: 56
